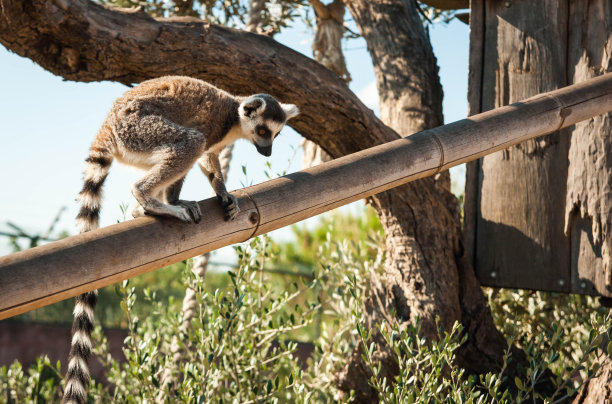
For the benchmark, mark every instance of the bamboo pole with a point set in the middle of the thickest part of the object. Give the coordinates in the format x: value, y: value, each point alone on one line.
x: 65, y: 268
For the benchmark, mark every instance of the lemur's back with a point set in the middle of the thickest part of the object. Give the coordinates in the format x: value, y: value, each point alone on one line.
x: 185, y: 101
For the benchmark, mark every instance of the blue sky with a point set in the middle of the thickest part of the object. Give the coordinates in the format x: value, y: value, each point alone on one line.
x: 48, y: 125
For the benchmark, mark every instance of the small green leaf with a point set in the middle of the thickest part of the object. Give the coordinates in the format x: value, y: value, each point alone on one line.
x: 609, y: 348
x: 519, y: 383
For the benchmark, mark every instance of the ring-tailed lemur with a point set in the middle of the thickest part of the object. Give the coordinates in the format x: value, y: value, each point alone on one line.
x: 165, y: 126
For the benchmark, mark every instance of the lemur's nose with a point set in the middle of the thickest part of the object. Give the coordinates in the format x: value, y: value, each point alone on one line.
x: 265, y: 150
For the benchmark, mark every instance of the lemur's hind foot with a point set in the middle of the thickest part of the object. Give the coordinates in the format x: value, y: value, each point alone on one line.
x: 182, y: 213
x: 187, y: 211
x: 193, y: 208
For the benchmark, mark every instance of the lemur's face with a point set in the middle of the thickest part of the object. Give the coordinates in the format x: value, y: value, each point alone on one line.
x: 264, y: 134
x: 262, y: 118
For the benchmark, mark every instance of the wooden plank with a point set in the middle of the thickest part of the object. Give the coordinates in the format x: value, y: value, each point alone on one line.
x: 65, y: 268
x: 588, y: 205
x: 471, y: 195
x: 588, y: 277
x: 520, y: 240
x: 476, y: 58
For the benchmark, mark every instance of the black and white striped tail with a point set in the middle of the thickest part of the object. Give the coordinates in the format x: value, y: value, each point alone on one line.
x: 96, y: 170
x: 77, y: 376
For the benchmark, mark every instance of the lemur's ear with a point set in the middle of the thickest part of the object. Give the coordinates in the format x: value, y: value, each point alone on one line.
x: 290, y: 110
x: 252, y: 106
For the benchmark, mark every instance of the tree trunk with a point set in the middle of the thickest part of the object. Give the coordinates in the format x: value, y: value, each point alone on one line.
x: 327, y: 50
x: 598, y: 390
x: 426, y: 274
x: 327, y: 44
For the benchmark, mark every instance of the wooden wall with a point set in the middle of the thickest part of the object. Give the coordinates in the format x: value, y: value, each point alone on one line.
x: 538, y: 214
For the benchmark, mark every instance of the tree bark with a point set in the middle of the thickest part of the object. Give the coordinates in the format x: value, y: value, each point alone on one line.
x: 327, y: 50
x: 588, y: 203
x: 598, y: 390
x: 426, y: 275
x: 326, y: 47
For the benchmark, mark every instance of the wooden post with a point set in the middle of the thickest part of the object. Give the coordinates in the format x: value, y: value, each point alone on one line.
x: 65, y: 268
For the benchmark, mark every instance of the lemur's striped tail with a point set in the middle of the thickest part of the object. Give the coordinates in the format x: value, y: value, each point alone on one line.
x: 77, y: 376
x: 96, y: 170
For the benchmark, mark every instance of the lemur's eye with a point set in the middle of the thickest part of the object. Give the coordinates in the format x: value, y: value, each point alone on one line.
x: 262, y: 132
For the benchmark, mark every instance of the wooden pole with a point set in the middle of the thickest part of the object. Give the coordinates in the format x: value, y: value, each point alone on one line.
x: 65, y: 268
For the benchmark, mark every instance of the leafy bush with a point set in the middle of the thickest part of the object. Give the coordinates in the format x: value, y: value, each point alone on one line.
x: 558, y: 332
x: 39, y: 385
x: 236, y: 350
x: 239, y: 345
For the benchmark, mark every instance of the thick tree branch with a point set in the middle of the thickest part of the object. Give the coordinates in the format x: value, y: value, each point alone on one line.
x: 83, y: 41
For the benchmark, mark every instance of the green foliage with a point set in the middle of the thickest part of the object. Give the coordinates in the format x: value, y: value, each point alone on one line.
x: 427, y: 371
x: 240, y: 340
x: 560, y: 333
x: 237, y: 340
x: 304, y: 251
x: 344, y: 272
x: 39, y: 385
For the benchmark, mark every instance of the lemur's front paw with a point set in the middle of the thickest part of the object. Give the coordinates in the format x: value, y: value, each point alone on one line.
x: 230, y: 205
x: 193, y: 208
